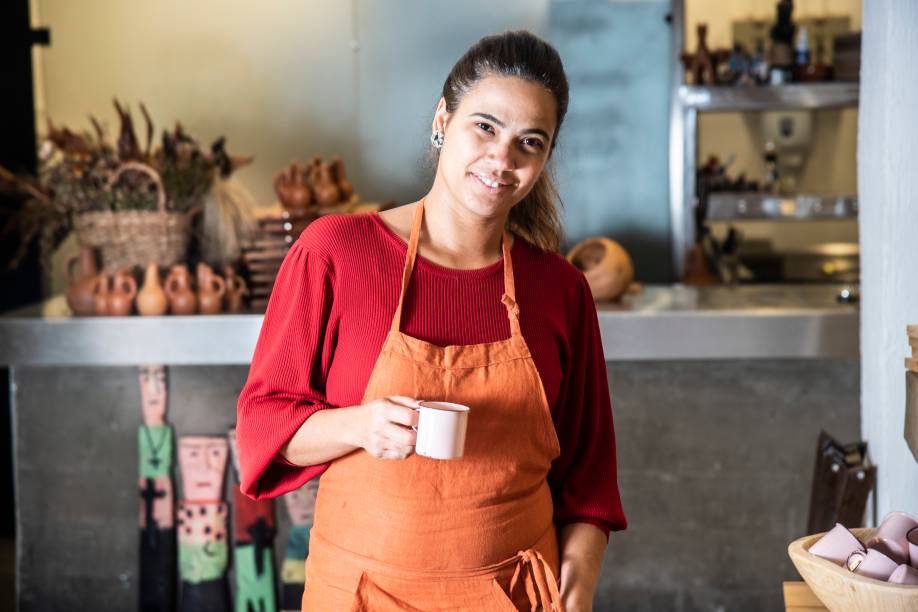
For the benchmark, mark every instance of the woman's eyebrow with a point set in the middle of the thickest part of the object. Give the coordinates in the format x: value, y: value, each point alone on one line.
x: 500, y: 123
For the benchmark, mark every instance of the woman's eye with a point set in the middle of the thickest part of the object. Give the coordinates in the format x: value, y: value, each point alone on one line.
x: 535, y: 143
x: 486, y: 127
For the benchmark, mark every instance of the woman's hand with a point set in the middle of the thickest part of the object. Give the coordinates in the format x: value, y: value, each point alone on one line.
x: 385, y: 429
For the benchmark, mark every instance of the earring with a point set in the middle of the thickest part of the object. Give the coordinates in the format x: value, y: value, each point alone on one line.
x: 436, y: 139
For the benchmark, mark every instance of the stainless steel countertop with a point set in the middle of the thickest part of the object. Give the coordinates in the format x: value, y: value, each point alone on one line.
x: 659, y: 323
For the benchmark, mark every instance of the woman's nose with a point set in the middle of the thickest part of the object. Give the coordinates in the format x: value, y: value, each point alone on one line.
x: 503, y: 154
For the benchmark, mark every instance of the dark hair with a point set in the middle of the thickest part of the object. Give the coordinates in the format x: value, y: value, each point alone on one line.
x: 524, y: 55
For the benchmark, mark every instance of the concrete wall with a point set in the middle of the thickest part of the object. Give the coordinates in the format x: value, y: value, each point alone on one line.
x: 612, y: 158
x: 715, y: 461
x: 887, y: 160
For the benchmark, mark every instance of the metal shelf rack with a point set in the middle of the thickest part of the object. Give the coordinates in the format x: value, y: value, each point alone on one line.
x: 689, y: 100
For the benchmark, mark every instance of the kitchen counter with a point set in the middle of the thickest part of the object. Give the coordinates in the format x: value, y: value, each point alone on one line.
x: 659, y: 323
x: 719, y: 395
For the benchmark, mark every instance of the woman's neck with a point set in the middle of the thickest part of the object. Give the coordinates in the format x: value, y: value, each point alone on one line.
x: 452, y: 233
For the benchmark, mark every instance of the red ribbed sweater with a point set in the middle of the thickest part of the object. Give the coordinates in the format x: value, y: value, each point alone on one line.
x: 330, y: 311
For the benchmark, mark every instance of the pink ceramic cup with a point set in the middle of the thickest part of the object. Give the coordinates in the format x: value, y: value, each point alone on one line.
x: 837, y: 545
x: 891, y: 539
x: 912, y: 538
x: 872, y: 564
x: 904, y: 574
x: 441, y: 429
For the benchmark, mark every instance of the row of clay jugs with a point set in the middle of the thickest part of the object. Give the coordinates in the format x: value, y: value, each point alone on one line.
x: 177, y: 294
x: 113, y: 294
x: 212, y: 291
x: 298, y: 187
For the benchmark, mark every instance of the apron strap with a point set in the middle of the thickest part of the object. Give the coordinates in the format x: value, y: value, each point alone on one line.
x: 413, y: 239
x: 508, y: 299
x: 544, y: 594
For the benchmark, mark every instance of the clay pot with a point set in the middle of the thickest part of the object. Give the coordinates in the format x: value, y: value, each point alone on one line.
x: 123, y: 292
x: 324, y: 188
x: 235, y: 289
x: 345, y: 189
x: 292, y: 188
x: 606, y: 266
x: 80, y: 291
x: 182, y: 300
x: 152, y: 300
x: 211, y: 289
x: 697, y: 271
x: 101, y: 289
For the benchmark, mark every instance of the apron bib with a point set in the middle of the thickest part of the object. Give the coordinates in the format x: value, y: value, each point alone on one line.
x: 474, y: 533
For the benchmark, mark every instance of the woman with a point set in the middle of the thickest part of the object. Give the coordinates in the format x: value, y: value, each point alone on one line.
x: 458, y: 297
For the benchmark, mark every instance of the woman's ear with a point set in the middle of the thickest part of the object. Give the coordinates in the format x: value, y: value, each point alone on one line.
x: 441, y: 117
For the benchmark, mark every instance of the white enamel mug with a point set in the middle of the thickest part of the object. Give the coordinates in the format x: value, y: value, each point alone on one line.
x: 441, y: 429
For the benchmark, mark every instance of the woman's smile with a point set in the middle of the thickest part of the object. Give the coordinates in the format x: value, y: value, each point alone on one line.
x: 490, y: 184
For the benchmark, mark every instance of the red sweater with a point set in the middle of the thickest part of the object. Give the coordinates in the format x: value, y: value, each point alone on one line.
x: 331, y: 309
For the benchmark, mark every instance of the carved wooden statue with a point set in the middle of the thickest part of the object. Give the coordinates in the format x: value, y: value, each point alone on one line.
x: 202, y: 538
x: 301, y: 505
x: 253, y: 552
x: 157, y: 500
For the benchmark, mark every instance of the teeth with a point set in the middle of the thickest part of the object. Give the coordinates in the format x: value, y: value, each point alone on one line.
x: 488, y: 182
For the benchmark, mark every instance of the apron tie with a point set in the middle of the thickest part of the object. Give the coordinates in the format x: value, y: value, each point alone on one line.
x: 548, y: 596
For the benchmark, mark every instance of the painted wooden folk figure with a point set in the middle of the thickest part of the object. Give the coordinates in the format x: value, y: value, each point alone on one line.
x: 253, y: 551
x: 157, y: 499
x: 202, y: 539
x: 301, y: 505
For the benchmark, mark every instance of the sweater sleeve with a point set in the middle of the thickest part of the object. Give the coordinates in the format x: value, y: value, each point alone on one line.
x: 584, y: 479
x: 286, y: 382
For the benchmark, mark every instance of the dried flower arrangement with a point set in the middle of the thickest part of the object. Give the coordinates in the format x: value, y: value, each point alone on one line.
x: 81, y: 175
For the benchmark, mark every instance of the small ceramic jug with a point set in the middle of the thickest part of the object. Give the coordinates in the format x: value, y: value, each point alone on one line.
x: 123, y: 292
x: 235, y: 289
x: 101, y: 289
x: 80, y: 291
x: 324, y: 187
x: 152, y: 300
x: 345, y: 189
x: 182, y: 300
x: 211, y: 289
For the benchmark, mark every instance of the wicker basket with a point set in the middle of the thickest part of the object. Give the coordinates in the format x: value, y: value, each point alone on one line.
x: 135, y: 237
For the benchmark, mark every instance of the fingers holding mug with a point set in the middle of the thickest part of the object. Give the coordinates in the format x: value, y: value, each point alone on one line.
x: 398, y: 414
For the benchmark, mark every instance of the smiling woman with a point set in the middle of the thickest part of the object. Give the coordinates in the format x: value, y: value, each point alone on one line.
x: 464, y: 300
x: 509, y: 96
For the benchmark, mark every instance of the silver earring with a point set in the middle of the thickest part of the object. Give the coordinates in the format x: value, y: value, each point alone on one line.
x: 436, y: 139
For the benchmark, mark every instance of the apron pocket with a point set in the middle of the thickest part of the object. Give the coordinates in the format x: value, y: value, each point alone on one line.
x: 385, y: 595
x: 502, y: 601
x: 371, y: 598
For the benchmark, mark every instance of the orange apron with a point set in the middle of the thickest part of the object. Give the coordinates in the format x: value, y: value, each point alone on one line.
x: 420, y: 534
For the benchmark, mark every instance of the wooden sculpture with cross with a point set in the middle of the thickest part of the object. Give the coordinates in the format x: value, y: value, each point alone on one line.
x: 253, y: 545
x: 157, y: 500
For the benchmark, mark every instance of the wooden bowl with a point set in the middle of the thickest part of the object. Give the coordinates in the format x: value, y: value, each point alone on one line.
x: 607, y: 267
x: 842, y: 590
